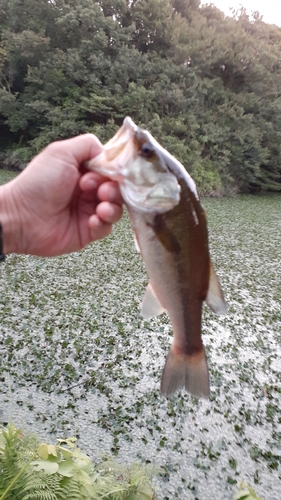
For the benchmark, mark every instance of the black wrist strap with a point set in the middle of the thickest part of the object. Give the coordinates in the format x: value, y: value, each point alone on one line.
x: 2, y: 256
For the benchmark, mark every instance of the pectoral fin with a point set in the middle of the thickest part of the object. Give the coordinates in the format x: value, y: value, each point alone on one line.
x: 136, y: 243
x: 150, y: 305
x: 215, y: 299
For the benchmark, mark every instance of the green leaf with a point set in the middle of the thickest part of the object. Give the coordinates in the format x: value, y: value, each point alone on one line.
x: 65, y: 452
x: 83, y: 465
x: 78, y: 454
x: 69, y: 441
x: 43, y: 451
x: 245, y: 492
x: 47, y: 466
x: 67, y: 468
x: 52, y: 450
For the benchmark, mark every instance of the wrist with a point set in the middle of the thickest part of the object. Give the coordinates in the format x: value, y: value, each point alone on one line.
x: 10, y: 220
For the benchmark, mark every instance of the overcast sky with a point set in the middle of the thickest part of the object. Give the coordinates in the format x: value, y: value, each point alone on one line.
x: 269, y: 9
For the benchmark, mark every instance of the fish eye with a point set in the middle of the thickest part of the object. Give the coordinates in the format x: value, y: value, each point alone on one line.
x: 146, y: 150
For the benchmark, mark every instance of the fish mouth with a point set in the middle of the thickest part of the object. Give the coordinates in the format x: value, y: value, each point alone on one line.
x: 112, y: 161
x: 143, y: 186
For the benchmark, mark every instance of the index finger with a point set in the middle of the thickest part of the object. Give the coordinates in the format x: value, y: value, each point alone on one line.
x: 80, y: 148
x: 91, y: 181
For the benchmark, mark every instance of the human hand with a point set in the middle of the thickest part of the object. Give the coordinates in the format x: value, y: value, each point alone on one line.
x: 55, y: 206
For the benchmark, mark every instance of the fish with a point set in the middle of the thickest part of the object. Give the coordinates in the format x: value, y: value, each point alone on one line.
x: 170, y: 229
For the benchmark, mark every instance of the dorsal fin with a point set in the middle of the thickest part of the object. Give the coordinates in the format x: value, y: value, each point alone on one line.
x: 215, y: 299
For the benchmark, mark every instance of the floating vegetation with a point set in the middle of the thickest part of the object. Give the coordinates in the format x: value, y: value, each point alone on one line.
x: 81, y: 361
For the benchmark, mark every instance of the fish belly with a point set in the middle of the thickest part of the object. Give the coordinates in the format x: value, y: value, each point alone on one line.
x: 179, y: 278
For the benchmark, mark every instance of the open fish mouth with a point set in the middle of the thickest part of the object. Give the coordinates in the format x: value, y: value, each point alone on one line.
x: 134, y: 159
x: 116, y: 153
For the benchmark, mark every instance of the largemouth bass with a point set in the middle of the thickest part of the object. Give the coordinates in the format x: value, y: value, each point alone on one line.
x: 171, y: 233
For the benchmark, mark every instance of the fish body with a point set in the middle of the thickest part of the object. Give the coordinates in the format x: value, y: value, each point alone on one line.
x: 171, y: 233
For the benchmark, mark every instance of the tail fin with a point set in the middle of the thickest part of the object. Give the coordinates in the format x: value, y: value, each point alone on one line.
x: 189, y: 371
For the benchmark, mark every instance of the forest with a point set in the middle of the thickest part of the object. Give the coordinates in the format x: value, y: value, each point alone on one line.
x: 206, y: 85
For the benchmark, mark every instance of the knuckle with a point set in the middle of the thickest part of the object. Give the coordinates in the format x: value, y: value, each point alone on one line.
x: 53, y: 147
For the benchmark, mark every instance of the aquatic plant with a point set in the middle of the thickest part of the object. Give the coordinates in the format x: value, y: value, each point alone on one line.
x: 80, y: 361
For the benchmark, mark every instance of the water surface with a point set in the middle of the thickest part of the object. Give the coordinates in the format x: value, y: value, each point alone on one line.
x: 76, y: 358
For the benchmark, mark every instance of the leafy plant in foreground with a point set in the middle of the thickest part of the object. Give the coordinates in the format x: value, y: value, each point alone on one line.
x: 245, y: 492
x: 29, y: 471
x: 33, y: 471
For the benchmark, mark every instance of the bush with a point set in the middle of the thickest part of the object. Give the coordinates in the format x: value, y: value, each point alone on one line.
x: 15, y: 160
x: 29, y: 470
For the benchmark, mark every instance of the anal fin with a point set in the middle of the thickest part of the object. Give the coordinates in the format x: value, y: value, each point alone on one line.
x: 215, y: 299
x: 150, y: 305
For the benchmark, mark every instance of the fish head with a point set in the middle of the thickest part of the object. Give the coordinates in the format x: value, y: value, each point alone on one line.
x: 137, y: 162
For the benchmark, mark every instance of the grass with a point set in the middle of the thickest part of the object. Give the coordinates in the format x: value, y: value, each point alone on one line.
x: 81, y: 361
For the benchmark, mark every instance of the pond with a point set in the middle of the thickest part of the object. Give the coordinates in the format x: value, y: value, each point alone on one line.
x: 77, y: 359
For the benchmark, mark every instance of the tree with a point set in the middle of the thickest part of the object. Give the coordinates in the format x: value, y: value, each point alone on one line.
x: 207, y: 86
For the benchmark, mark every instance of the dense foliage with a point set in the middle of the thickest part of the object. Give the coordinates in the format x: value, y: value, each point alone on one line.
x: 33, y: 471
x: 207, y: 86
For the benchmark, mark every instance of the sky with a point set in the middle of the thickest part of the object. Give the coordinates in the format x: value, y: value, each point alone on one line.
x: 269, y: 9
